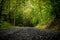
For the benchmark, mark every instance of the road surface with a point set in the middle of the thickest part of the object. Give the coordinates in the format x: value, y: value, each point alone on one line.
x: 28, y: 33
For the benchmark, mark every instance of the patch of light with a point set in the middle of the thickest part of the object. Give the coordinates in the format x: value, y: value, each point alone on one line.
x: 28, y: 7
x: 28, y: 10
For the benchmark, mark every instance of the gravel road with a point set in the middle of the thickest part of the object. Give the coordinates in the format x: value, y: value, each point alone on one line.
x: 28, y: 33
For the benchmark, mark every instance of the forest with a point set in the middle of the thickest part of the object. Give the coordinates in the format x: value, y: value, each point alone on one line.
x: 43, y: 14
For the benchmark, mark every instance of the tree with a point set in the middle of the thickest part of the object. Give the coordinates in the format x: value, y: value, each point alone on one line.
x: 55, y: 24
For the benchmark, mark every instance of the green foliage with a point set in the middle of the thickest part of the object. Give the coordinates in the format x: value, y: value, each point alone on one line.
x: 19, y: 20
x: 6, y: 25
x: 36, y: 13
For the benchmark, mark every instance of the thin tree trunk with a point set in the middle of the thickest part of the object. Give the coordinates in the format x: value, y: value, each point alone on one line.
x: 1, y: 5
x: 15, y: 11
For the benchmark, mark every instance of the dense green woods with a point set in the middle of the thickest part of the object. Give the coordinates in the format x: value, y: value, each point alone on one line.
x: 30, y: 13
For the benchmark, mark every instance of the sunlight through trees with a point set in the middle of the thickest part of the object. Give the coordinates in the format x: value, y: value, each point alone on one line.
x: 29, y: 13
